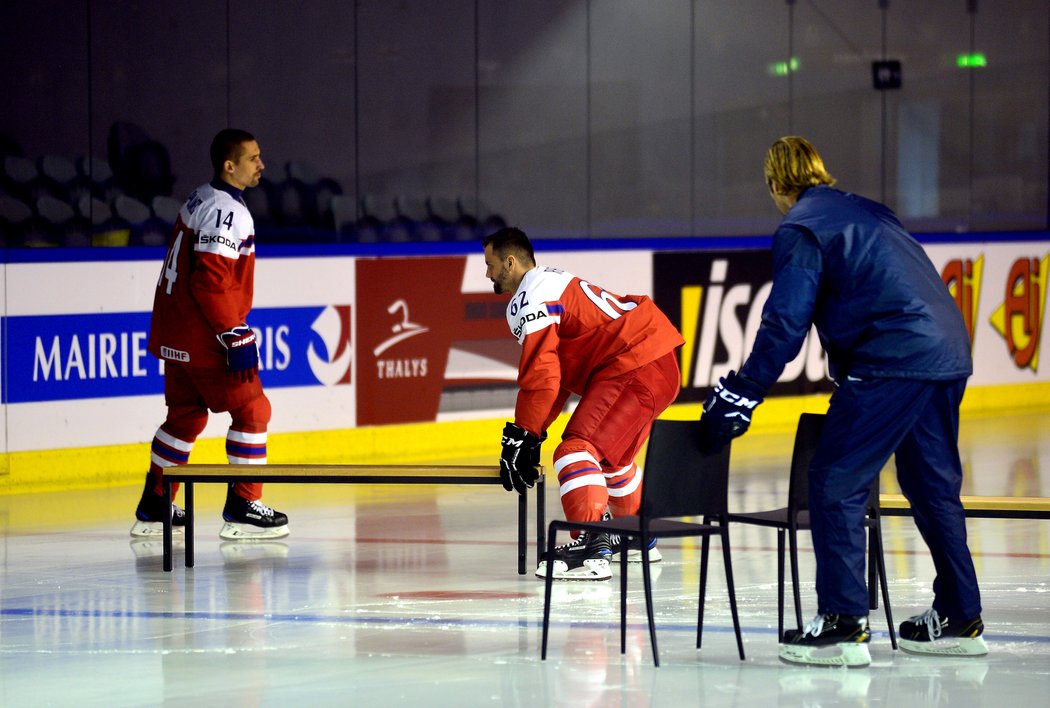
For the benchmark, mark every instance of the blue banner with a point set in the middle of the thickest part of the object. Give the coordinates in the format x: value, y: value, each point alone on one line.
x: 71, y: 357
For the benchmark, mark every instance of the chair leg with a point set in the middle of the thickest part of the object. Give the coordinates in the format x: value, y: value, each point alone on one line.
x: 623, y: 594
x: 780, y: 585
x: 727, y: 559
x: 873, y: 577
x: 705, y: 547
x: 647, y: 581
x: 548, y: 583
x: 885, y: 588
x: 793, y: 548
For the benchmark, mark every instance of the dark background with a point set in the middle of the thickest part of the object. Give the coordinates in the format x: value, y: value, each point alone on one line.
x: 570, y: 118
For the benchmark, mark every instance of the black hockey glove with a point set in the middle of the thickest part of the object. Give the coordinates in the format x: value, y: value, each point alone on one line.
x: 521, y: 452
x: 727, y: 412
x: 242, y: 352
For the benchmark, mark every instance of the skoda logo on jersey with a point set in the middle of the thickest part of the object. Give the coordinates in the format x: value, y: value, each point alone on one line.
x: 331, y: 366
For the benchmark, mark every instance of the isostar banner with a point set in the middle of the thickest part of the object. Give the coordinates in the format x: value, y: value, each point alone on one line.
x: 716, y: 300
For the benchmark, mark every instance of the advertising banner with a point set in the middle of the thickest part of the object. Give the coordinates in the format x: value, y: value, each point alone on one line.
x: 421, y: 338
x: 349, y: 341
x: 716, y: 299
x: 76, y: 371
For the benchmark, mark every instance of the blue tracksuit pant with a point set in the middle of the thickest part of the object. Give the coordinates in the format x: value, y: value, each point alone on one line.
x: 867, y: 421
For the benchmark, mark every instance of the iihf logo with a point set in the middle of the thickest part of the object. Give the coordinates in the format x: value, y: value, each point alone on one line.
x: 333, y: 365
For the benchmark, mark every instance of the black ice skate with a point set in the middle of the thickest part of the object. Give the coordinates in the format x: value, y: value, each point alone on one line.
x: 586, y: 558
x: 149, y: 515
x: 829, y: 640
x: 251, y: 520
x: 929, y: 633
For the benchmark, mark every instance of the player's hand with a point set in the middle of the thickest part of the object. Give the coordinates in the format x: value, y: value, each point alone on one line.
x: 727, y: 412
x: 242, y: 351
x: 521, y: 451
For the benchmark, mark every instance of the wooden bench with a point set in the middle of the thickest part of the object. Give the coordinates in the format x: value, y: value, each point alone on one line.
x: 344, y: 474
x: 978, y: 507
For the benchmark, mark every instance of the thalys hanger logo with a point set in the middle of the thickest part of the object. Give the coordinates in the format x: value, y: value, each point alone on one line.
x: 402, y: 330
x: 333, y: 365
x: 1020, y: 318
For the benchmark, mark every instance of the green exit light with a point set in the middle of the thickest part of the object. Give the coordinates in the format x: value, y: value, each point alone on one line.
x: 783, y: 68
x: 970, y: 61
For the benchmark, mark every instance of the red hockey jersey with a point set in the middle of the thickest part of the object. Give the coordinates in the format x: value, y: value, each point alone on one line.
x: 207, y: 280
x: 573, y: 332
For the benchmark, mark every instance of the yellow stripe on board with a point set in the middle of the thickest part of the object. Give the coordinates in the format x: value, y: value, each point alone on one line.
x: 433, y: 443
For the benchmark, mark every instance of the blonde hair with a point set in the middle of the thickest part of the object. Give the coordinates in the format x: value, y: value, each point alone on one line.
x: 793, y: 164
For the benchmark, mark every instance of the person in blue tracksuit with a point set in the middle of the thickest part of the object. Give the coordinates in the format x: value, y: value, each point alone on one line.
x: 899, y: 354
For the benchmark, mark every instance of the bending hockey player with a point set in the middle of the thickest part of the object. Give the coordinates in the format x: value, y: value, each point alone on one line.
x: 618, y: 354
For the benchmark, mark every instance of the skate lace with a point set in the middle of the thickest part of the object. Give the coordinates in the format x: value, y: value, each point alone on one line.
x: 931, y: 620
x: 259, y: 508
x: 578, y: 541
x: 815, y: 626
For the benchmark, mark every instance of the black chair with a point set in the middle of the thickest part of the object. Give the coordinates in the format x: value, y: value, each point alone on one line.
x: 59, y: 177
x: 131, y: 214
x: 20, y: 177
x: 98, y: 176
x: 456, y: 226
x: 413, y: 210
x: 59, y: 225
x: 342, y: 210
x: 379, y: 221
x: 486, y: 220
x: 263, y: 203
x: 679, y: 481
x: 16, y: 218
x: 794, y: 517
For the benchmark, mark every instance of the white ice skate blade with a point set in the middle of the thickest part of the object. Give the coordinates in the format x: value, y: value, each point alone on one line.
x: 233, y: 552
x: 153, y: 547
x: 146, y: 529
x: 948, y: 646
x: 246, y: 532
x: 844, y: 654
x: 635, y: 556
x: 592, y: 569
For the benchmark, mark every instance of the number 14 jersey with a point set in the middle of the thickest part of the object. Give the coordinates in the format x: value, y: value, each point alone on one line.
x: 573, y: 332
x: 207, y: 281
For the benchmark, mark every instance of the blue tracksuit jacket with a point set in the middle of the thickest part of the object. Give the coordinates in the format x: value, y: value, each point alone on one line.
x: 845, y: 264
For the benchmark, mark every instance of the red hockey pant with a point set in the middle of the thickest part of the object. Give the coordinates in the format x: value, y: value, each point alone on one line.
x: 595, y: 460
x: 189, y: 393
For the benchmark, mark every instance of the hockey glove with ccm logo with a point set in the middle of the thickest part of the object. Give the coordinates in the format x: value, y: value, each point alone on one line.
x: 520, y: 456
x: 727, y: 412
x: 242, y: 351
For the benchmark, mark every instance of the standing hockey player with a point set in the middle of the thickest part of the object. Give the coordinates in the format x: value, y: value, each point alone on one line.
x: 900, y: 356
x: 200, y: 331
x: 618, y: 354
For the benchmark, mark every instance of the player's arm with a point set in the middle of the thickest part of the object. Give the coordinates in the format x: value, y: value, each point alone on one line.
x: 539, y: 381
x: 555, y: 411
x: 788, y: 313
x: 786, y: 319
x: 539, y: 375
x: 215, y: 287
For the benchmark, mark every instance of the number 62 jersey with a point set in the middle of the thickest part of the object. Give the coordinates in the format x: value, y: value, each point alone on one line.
x: 573, y: 332
x: 207, y: 281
